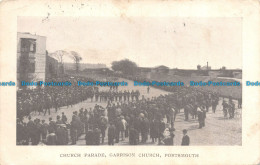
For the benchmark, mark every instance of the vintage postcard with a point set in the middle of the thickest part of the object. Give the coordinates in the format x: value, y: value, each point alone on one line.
x: 133, y: 82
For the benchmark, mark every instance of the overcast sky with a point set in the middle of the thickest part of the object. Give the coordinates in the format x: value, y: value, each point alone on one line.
x: 173, y: 42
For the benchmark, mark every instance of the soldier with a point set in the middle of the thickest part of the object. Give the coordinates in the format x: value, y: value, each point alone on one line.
x: 47, y: 104
x: 120, y: 95
x: 225, y: 108
x: 148, y: 89
x: 44, y: 130
x: 103, y: 127
x: 63, y: 118
x: 200, y: 117
x: 38, y: 130
x: 214, y: 104
x: 116, y: 95
x: 58, y: 120
x: 132, y: 95
x: 96, y: 95
x: 52, y: 126
x: 137, y: 94
x: 91, y: 94
x: 111, y: 134
x: 31, y: 128
x: 204, y: 111
x: 125, y: 95
x: 231, y: 109
x: 133, y: 136
x: 105, y: 96
x: 128, y: 95
x: 97, y: 133
x: 62, y: 135
x: 89, y: 137
x: 73, y: 129
x: 144, y: 129
x: 101, y: 96
x: 154, y: 130
x: 55, y: 102
x: 117, y: 125
x: 185, y: 139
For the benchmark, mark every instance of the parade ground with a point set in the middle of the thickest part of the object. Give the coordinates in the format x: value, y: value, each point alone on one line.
x: 218, y: 130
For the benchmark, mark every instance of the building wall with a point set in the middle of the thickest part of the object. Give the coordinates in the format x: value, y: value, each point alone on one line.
x: 40, y: 56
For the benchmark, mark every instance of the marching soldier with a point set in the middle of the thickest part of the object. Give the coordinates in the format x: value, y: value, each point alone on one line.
x: 96, y: 95
x: 200, y: 117
x: 132, y: 95
x: 125, y: 95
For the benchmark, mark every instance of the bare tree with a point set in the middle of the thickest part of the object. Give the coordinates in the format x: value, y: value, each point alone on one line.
x: 76, y: 58
x: 59, y: 55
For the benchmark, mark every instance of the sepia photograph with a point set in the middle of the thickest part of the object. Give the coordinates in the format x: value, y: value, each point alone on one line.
x: 146, y: 81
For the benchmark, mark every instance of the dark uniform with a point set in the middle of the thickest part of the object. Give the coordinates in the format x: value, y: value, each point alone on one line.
x: 111, y: 134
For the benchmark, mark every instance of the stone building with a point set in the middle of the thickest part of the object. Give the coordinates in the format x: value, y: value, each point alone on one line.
x: 31, y: 57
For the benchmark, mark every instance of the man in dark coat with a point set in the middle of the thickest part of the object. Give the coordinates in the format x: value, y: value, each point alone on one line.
x: 89, y: 137
x: 133, y: 136
x: 31, y: 128
x: 52, y: 126
x: 111, y: 134
x: 52, y: 139
x: 144, y: 129
x: 63, y: 118
x: 185, y: 139
x: 117, y: 125
x: 62, y: 135
x: 44, y: 130
x: 97, y: 133
x: 204, y: 115
x: 154, y: 130
x: 103, y: 127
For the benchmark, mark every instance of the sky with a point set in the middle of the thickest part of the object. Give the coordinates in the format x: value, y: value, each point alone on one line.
x: 149, y: 41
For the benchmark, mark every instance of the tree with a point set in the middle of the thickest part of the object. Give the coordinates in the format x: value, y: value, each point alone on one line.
x: 76, y: 58
x: 59, y: 55
x: 125, y: 66
x: 198, y: 67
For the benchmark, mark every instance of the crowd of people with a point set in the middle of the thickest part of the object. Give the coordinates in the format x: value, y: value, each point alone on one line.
x: 126, y: 115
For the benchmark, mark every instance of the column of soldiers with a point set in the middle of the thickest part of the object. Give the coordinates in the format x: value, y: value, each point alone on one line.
x: 127, y: 116
x: 41, y: 100
x: 115, y: 95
